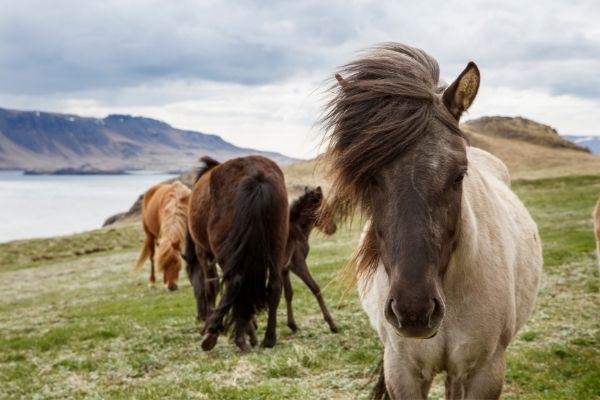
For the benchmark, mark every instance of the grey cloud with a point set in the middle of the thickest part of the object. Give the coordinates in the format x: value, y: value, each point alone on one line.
x: 68, y: 45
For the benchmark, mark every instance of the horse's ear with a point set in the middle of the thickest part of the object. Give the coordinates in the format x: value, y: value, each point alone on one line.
x: 459, y: 96
x: 306, y: 189
x: 341, y: 81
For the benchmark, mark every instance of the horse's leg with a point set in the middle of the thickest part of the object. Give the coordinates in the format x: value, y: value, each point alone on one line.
x: 485, y: 382
x: 240, y: 336
x: 251, y: 330
x: 300, y: 268
x: 289, y: 295
x: 402, y: 381
x: 212, y: 281
x: 149, y: 242
x: 274, y: 295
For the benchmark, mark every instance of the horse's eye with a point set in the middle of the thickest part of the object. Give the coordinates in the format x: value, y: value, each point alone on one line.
x: 373, y: 181
x: 460, y: 178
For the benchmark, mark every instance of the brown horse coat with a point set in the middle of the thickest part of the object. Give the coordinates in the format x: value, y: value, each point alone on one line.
x: 164, y: 218
x: 238, y: 218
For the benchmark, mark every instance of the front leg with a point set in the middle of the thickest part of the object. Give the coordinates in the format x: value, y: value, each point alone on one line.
x: 483, y: 382
x: 300, y: 268
x: 402, y: 380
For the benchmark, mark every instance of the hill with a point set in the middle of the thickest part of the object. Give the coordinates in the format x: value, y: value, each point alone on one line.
x: 48, y: 142
x: 530, y: 150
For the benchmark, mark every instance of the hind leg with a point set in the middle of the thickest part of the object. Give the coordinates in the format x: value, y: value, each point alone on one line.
x: 300, y: 268
x: 251, y: 330
x: 274, y: 295
x: 289, y: 295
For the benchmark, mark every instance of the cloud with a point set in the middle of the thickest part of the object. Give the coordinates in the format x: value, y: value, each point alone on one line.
x: 236, y: 68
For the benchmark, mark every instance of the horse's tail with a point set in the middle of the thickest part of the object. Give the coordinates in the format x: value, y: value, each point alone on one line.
x: 379, y: 391
x: 144, y: 255
x: 248, y: 252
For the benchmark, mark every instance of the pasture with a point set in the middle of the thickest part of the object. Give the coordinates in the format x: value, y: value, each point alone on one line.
x: 75, y: 324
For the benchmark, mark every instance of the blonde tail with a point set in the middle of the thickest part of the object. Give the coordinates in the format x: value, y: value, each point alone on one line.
x: 144, y: 255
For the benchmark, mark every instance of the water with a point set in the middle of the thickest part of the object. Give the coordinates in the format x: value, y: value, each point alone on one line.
x: 33, y: 206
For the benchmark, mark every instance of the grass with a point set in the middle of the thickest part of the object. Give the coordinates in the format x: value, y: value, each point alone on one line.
x: 75, y: 324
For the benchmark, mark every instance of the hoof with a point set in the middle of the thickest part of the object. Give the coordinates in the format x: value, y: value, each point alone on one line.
x: 334, y: 328
x: 210, y: 341
x: 152, y: 285
x: 243, y: 346
x: 269, y: 342
x: 293, y: 326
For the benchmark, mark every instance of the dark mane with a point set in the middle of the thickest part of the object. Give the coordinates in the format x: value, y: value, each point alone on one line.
x: 209, y: 163
x: 383, y: 104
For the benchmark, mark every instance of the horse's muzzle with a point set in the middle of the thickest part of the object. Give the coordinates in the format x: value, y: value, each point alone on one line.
x: 422, y: 321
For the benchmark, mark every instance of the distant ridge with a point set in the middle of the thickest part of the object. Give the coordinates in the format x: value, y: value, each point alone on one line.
x: 42, y: 141
x: 589, y: 142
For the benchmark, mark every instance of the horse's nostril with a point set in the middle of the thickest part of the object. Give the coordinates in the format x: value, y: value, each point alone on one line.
x: 436, y: 309
x: 173, y: 288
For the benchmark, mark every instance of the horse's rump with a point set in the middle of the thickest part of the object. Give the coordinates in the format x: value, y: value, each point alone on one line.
x: 247, y: 254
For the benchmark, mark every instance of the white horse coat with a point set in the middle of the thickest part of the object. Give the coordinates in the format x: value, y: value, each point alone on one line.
x: 490, y: 286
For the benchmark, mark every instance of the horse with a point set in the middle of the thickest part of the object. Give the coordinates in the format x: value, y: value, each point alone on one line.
x: 597, y: 229
x: 303, y: 218
x: 449, y: 263
x: 164, y: 218
x: 238, y: 218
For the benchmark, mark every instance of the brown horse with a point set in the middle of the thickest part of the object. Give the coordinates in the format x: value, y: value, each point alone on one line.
x: 238, y: 218
x: 450, y: 261
x: 164, y: 217
x: 303, y: 219
x: 597, y: 230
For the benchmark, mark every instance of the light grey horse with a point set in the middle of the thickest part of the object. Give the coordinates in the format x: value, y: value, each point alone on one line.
x: 450, y: 261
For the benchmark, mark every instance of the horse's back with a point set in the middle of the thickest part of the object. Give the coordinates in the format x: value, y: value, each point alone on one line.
x: 155, y: 199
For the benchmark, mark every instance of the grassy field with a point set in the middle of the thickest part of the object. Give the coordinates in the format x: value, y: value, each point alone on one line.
x: 75, y: 324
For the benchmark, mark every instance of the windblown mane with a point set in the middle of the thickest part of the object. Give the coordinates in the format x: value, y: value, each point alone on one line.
x: 173, y: 226
x: 383, y: 104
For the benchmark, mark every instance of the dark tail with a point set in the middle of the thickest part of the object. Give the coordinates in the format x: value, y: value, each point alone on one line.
x: 379, y: 391
x: 196, y: 277
x: 247, y: 254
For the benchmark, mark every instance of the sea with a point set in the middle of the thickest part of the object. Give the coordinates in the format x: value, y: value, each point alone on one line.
x: 37, y: 206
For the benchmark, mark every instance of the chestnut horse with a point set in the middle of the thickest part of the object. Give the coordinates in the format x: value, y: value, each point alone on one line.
x: 597, y: 230
x: 238, y: 218
x: 164, y: 217
x: 303, y: 218
x: 450, y: 261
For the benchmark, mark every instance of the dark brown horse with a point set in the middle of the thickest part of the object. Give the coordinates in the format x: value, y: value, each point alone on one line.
x: 303, y: 219
x: 238, y: 218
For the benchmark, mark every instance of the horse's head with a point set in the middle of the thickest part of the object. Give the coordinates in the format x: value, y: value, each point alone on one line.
x: 405, y: 131
x: 304, y: 211
x: 169, y: 262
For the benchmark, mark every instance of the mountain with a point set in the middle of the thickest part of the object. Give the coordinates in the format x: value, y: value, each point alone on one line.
x: 530, y: 150
x: 48, y: 141
x: 590, y: 142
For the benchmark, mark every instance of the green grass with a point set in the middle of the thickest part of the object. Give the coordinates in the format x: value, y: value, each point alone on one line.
x: 75, y: 324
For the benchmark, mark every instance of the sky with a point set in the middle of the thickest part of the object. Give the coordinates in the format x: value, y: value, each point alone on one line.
x: 257, y: 72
